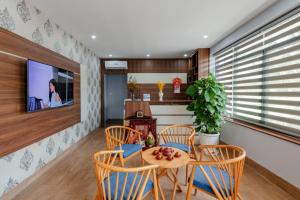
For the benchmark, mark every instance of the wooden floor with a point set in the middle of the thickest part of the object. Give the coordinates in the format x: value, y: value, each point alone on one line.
x: 72, y: 178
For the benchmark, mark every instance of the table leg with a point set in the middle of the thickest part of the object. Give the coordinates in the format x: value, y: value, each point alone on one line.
x: 163, y: 172
x: 172, y: 174
x: 175, y: 181
x: 170, y: 178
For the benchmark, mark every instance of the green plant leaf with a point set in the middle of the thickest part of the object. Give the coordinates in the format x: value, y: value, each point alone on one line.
x: 192, y: 90
x: 198, y: 129
x: 216, y: 90
x: 191, y: 106
x: 213, y: 102
x: 211, y: 109
x: 206, y: 96
x: 211, y: 94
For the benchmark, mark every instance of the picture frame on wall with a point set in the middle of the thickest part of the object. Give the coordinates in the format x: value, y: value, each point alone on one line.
x: 146, y: 97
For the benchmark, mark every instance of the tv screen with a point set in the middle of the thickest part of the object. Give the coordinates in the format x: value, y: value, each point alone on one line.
x: 48, y: 87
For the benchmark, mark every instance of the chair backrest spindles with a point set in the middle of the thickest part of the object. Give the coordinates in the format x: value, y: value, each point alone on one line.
x: 181, y: 134
x: 112, y: 186
x: 117, y: 135
x: 222, y: 169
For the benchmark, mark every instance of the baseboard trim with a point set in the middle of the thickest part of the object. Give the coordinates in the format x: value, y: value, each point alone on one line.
x: 273, y: 178
x: 286, y: 186
x: 24, y: 184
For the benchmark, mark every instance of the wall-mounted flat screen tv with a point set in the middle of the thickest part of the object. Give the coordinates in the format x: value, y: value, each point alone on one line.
x: 48, y: 87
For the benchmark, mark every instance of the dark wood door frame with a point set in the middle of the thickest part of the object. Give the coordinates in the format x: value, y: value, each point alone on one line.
x: 102, y: 96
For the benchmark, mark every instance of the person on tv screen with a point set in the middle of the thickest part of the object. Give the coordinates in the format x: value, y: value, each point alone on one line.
x: 54, y: 98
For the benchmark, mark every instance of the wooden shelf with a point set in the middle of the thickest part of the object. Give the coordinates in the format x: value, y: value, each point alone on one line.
x: 171, y: 102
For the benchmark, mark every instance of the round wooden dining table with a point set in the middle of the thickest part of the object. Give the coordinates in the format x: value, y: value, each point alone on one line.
x: 170, y: 169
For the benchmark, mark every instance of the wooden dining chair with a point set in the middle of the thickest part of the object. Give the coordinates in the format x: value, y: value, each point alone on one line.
x: 124, y: 138
x: 117, y: 182
x: 218, y: 171
x: 181, y: 137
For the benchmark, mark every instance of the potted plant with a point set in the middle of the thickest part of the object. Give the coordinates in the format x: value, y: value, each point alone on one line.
x: 208, y: 105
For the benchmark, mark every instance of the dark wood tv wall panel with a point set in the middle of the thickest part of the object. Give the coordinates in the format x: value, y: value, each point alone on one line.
x: 17, y: 127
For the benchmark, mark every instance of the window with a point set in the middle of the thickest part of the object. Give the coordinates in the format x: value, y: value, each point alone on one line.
x: 261, y: 74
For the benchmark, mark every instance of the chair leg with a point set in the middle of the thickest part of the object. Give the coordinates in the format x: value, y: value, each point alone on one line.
x: 195, y: 192
x: 154, y: 195
x: 239, y: 196
x: 188, y: 195
x: 97, y: 196
x: 186, y: 174
x: 142, y: 160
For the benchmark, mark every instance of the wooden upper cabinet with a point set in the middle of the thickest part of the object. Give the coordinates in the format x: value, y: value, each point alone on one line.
x: 203, y: 62
x: 198, y: 65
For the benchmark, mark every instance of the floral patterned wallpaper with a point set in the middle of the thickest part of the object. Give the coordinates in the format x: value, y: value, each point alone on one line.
x: 22, y: 18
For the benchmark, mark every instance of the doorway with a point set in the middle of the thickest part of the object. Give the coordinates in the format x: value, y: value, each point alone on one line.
x: 115, y: 91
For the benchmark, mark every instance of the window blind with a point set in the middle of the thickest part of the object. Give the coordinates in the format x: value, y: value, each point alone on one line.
x: 261, y: 74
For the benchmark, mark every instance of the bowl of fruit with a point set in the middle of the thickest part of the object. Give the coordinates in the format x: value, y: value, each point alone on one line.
x: 167, y: 152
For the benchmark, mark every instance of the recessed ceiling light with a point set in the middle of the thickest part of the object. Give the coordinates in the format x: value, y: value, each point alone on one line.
x: 148, y: 55
x: 185, y: 55
x: 93, y: 37
x: 205, y: 36
x: 110, y: 55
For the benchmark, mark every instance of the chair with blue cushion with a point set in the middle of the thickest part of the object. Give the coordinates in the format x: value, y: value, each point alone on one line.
x: 124, y: 138
x: 180, y: 137
x: 218, y: 171
x: 115, y: 182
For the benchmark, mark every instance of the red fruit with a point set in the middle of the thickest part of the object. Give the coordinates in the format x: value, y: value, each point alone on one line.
x: 167, y: 150
x: 155, y: 152
x: 169, y: 158
x: 167, y: 154
x: 159, y: 156
x: 177, y: 155
x: 161, y: 149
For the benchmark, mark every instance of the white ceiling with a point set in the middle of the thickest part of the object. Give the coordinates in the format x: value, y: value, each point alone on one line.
x: 162, y: 28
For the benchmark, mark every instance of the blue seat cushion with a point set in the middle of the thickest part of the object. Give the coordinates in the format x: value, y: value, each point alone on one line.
x: 129, y: 149
x: 182, y: 147
x: 201, y: 182
x: 130, y: 179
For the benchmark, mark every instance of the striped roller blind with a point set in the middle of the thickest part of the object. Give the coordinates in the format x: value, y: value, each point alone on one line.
x: 261, y: 74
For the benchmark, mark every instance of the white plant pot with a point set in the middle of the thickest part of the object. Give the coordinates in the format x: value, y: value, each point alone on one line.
x: 209, y: 139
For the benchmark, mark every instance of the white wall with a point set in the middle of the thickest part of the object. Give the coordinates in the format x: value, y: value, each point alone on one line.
x: 279, y: 156
x: 83, y: 93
